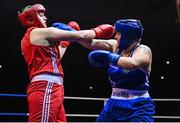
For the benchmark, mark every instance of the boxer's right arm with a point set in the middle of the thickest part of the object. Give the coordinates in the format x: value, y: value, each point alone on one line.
x: 103, y: 44
x: 103, y: 32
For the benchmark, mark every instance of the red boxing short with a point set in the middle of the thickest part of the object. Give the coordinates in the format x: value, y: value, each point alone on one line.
x: 45, y: 101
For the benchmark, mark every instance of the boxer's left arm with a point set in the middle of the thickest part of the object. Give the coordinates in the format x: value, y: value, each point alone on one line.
x: 141, y: 59
x: 100, y: 58
x: 44, y: 36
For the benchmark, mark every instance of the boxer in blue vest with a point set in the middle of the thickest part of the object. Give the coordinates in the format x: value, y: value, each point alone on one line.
x: 129, y: 72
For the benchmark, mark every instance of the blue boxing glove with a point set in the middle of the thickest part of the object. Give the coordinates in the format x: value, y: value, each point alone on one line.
x: 62, y: 26
x: 100, y: 58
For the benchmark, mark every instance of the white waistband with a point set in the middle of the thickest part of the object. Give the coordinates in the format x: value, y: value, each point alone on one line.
x: 47, y: 77
x: 126, y: 94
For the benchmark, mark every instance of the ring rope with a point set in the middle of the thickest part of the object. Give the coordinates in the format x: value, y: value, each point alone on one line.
x: 13, y: 95
x: 14, y: 114
x: 83, y: 115
x: 79, y: 98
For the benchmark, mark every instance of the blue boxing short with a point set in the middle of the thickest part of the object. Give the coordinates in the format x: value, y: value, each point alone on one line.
x: 133, y: 110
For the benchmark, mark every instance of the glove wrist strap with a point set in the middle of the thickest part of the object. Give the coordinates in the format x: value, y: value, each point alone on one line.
x: 114, y: 58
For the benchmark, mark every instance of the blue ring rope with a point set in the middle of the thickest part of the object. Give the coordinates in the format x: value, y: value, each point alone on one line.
x: 13, y: 95
x: 14, y: 114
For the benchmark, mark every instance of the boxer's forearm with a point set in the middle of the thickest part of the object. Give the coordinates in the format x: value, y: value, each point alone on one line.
x: 102, y: 44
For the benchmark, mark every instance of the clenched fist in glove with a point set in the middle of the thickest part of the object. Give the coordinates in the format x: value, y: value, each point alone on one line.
x: 104, y: 31
x: 100, y: 58
x: 62, y: 26
x: 74, y: 25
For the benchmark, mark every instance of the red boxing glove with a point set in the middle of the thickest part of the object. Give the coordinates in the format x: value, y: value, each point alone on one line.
x: 104, y: 31
x: 64, y: 43
x: 75, y: 26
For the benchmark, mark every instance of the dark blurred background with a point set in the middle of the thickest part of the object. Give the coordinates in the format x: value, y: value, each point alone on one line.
x: 161, y: 34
